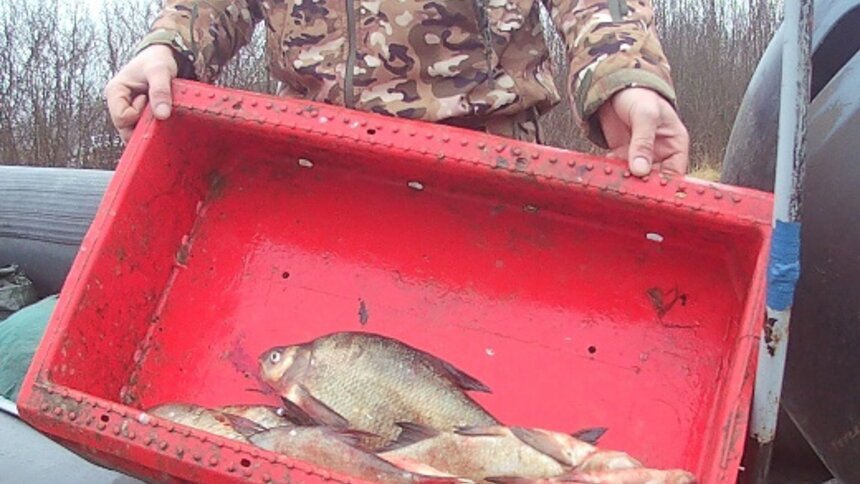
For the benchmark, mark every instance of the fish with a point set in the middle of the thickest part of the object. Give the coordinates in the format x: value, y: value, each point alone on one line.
x: 368, y: 382
x: 339, y: 450
x: 630, y: 476
x: 212, y: 421
x: 491, y: 452
x: 266, y: 416
x: 608, y: 460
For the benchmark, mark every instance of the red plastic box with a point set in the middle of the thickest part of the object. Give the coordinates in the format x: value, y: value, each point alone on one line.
x: 581, y: 295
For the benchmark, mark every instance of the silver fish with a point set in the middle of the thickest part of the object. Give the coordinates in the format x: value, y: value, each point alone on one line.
x: 491, y: 452
x: 337, y: 450
x: 369, y: 382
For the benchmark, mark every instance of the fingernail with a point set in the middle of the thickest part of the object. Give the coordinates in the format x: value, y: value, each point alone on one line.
x: 640, y: 166
x: 162, y: 111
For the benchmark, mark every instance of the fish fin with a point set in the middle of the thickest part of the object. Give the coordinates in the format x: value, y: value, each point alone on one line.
x: 316, y: 409
x: 460, y: 378
x: 410, y: 433
x: 424, y: 473
x: 481, y: 430
x: 245, y: 427
x: 295, y: 414
x: 589, y: 435
x: 543, y: 442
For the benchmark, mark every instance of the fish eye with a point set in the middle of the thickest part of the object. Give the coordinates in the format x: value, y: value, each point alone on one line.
x: 274, y: 357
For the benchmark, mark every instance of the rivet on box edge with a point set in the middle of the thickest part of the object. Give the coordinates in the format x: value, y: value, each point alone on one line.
x: 45, y: 407
x: 197, y: 457
x: 535, y: 155
x: 101, y: 426
x: 364, y: 124
x: 481, y: 145
x: 429, y: 135
x: 626, y: 174
x: 500, y: 148
x: 395, y: 129
x: 213, y: 461
x: 269, y: 105
x: 266, y: 478
x: 73, y: 416
x: 736, y: 199
x: 211, y: 95
x: 163, y: 445
x: 664, y: 182
x: 231, y: 467
x: 589, y: 166
x: 117, y: 430
x: 553, y: 161
x: 446, y: 138
x: 131, y: 435
x: 700, y: 190
x: 464, y: 142
x: 607, y: 170
x: 516, y: 151
x: 58, y: 411
x: 247, y: 472
x: 718, y: 195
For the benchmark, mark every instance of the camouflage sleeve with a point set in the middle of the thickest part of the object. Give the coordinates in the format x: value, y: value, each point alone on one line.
x: 611, y: 45
x: 205, y: 34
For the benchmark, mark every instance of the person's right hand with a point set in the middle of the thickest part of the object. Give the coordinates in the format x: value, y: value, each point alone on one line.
x: 148, y: 74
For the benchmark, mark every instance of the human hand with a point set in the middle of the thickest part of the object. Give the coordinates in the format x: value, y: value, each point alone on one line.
x: 148, y: 74
x: 642, y: 127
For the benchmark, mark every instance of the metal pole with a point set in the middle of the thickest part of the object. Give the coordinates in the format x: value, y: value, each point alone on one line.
x: 784, y: 266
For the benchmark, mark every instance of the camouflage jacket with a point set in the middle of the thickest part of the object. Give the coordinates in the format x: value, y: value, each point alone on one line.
x: 465, y: 62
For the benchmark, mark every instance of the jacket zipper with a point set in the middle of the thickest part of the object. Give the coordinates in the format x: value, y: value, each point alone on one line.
x: 350, y: 55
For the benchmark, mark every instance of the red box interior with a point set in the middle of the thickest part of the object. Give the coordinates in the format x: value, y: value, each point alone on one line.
x: 229, y: 230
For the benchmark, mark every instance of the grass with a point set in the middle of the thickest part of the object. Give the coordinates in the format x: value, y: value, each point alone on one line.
x: 706, y: 171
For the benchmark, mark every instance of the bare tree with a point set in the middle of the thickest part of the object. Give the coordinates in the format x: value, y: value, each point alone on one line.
x: 60, y: 56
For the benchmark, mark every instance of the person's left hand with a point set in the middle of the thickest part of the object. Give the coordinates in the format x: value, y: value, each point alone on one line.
x: 642, y: 127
